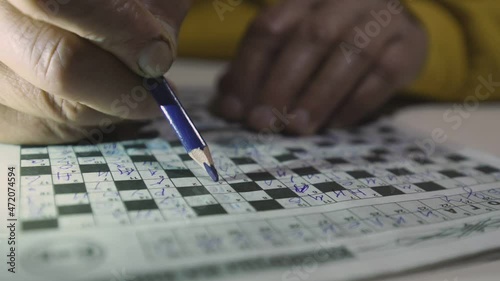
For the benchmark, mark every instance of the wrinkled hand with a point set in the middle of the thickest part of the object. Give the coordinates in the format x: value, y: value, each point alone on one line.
x: 69, y: 67
x: 321, y: 60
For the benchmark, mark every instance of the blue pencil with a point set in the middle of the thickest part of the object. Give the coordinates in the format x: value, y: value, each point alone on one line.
x: 189, y: 136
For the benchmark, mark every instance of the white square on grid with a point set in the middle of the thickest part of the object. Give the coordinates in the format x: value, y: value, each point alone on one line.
x: 159, y: 183
x: 33, y: 181
x: 152, y: 174
x: 371, y: 182
x: 238, y: 208
x: 408, y: 188
x: 71, y: 199
x: 171, y: 203
x: 76, y: 221
x: 222, y: 188
x: 160, y: 193
x: 107, y: 196
x: 97, y: 177
x: 255, y: 195
x: 35, y: 163
x: 132, y: 195
x: 72, y: 169
x: 294, y: 202
x: 146, y: 166
x: 318, y: 199
x: 91, y: 160
x: 99, y: 186
x: 270, y: 184
x: 66, y: 178
x: 145, y: 216
x: 34, y: 150
x: 182, y: 182
x: 200, y: 200
x: 228, y: 198
x: 126, y: 175
x: 180, y: 213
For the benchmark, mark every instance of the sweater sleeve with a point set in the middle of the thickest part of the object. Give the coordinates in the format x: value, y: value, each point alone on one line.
x: 464, y: 37
x: 213, y: 29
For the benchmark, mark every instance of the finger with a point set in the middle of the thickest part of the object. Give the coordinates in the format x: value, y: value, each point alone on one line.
x: 302, y: 57
x: 171, y: 12
x: 263, y: 39
x: 376, y: 90
x: 372, y: 94
x: 338, y: 78
x: 20, y: 95
x: 123, y: 27
x: 71, y: 68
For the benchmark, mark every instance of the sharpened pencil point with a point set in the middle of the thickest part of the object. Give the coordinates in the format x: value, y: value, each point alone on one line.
x: 212, y: 172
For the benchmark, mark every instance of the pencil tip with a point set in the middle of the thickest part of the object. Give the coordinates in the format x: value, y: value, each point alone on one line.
x: 212, y: 172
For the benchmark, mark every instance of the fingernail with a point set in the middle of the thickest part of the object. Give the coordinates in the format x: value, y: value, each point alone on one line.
x: 156, y: 59
x: 301, y: 123
x: 231, y: 107
x: 261, y: 117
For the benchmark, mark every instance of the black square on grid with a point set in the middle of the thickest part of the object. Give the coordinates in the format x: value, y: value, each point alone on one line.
x: 181, y: 173
x: 336, y: 161
x: 35, y: 171
x: 305, y: 171
x: 280, y: 193
x: 415, y: 149
x: 263, y: 176
x: 374, y: 159
x: 422, y: 161
x: 185, y: 157
x: 40, y: 224
x: 296, y: 149
x: 143, y: 158
x: 487, y: 169
x: 388, y: 190
x: 357, y: 141
x: 391, y: 140
x: 328, y: 186
x: 209, y: 210
x: 193, y: 191
x: 130, y: 185
x: 456, y: 158
x: 380, y: 151
x: 285, y: 157
x: 243, y: 160
x: 139, y: 205
x: 400, y: 171
x: 451, y: 173
x: 135, y: 146
x: 175, y: 143
x: 94, y: 168
x: 89, y: 154
x: 74, y: 209
x: 386, y: 129
x: 429, y: 186
x: 70, y: 188
x: 266, y: 205
x: 34, y: 156
x: 360, y: 174
x: 245, y: 186
x: 325, y: 144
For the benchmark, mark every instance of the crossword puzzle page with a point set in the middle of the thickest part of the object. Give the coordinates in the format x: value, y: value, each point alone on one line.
x: 342, y: 206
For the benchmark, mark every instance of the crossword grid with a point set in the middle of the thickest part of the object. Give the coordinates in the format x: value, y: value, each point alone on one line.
x: 153, y: 180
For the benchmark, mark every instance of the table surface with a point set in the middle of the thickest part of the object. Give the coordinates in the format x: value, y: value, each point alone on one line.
x: 479, y: 128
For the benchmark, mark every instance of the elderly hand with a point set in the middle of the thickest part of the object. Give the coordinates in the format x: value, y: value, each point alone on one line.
x: 316, y: 61
x: 69, y: 67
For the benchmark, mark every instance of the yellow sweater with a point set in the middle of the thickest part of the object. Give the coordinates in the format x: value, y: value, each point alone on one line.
x: 464, y: 48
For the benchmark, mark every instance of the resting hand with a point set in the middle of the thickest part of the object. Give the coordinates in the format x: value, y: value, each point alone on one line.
x: 321, y: 60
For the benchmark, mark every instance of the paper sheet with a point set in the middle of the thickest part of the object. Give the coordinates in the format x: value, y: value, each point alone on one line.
x: 343, y: 206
